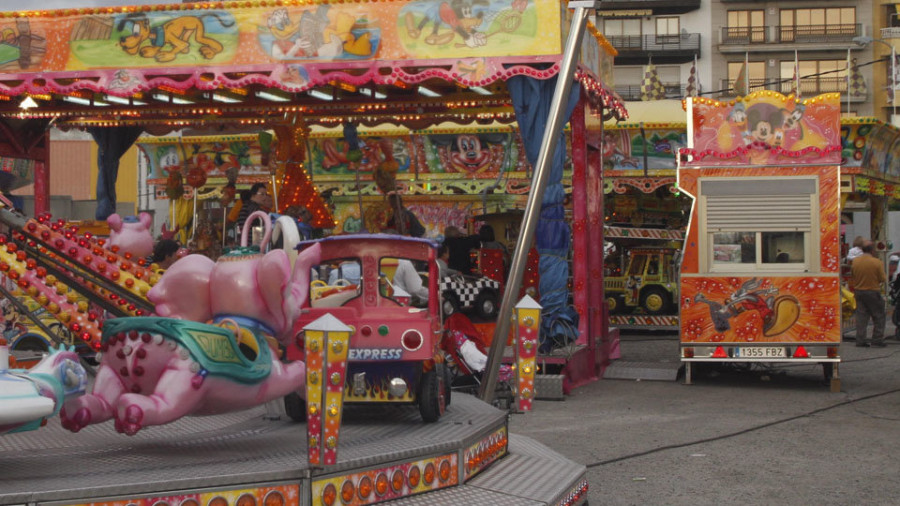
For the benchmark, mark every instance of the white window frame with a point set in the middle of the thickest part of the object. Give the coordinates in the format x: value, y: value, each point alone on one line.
x: 811, y: 263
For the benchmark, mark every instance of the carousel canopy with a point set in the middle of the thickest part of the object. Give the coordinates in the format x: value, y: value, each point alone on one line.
x: 410, y: 62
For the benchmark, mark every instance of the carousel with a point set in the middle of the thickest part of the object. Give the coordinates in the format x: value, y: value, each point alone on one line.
x: 333, y: 107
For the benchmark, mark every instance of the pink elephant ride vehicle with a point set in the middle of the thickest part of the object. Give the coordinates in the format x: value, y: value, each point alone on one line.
x: 214, y: 347
x: 395, y: 354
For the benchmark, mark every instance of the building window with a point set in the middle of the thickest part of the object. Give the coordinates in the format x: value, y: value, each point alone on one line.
x: 622, y: 27
x: 746, y: 27
x: 756, y: 74
x: 760, y: 224
x: 816, y: 76
x: 815, y: 25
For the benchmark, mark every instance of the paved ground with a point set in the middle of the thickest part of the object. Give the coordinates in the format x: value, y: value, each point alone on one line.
x: 768, y: 434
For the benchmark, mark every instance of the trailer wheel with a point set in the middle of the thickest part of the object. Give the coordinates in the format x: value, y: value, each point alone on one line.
x: 431, y: 394
x: 655, y: 300
x: 295, y: 407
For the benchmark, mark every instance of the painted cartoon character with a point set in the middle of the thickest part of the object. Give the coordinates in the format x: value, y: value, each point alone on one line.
x: 131, y: 234
x: 464, y: 17
x: 168, y: 40
x: 792, y: 118
x: 315, y: 34
x: 155, y: 370
x: 764, y: 124
x: 778, y: 312
x: 470, y: 156
x: 738, y: 115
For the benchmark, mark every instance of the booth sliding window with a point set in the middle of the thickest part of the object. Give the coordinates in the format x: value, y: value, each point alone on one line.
x: 752, y: 224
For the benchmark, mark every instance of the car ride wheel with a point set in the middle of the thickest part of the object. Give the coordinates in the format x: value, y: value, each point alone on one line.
x: 486, y: 305
x: 448, y: 380
x: 295, y: 407
x: 431, y: 394
x: 449, y: 304
x: 655, y: 300
x: 615, y: 303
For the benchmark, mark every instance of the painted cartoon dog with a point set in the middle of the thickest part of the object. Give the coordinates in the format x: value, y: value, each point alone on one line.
x: 166, y: 41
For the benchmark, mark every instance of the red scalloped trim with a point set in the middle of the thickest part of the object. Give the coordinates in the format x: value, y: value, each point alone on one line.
x: 758, y: 146
x: 100, y: 81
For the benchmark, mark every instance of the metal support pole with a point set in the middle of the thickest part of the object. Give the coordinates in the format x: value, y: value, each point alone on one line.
x: 893, y: 83
x: 535, y: 197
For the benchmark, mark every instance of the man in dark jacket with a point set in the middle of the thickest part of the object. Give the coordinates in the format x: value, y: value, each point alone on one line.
x: 460, y: 247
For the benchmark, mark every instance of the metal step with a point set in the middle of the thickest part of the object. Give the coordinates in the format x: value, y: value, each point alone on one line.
x: 549, y: 387
x: 653, y: 371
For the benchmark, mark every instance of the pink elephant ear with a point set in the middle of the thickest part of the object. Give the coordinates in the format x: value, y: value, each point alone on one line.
x: 115, y: 222
x: 145, y: 219
x: 300, y: 278
x: 183, y: 291
x: 272, y: 277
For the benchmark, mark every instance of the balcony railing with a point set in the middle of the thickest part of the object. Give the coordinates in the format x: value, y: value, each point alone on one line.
x: 656, y: 44
x: 809, y: 87
x: 892, y: 32
x: 632, y: 92
x: 805, y: 34
x: 745, y: 35
x: 819, y: 33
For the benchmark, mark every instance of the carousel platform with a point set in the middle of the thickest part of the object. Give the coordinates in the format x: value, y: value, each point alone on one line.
x: 249, y: 459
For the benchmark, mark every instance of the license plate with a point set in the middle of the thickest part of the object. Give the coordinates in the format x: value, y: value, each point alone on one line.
x: 760, y: 352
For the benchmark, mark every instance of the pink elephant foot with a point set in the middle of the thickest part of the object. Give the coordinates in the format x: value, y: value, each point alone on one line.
x: 80, y: 420
x: 130, y: 422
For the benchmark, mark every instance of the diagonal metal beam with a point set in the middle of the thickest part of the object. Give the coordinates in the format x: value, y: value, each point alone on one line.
x: 538, y: 183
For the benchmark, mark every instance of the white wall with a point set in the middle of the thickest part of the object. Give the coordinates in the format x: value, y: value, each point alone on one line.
x: 861, y: 226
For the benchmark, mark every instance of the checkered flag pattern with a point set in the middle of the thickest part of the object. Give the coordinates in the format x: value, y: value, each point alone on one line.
x: 858, y: 86
x: 467, y: 289
x: 651, y: 87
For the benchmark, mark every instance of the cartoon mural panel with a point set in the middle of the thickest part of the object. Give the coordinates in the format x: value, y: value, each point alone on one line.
x: 882, y: 153
x: 147, y: 39
x: 624, y: 147
x: 766, y: 128
x: 434, y: 28
x: 23, y: 45
x: 760, y: 310
x: 435, y: 213
x: 217, y: 157
x: 464, y: 154
x: 469, y: 154
x: 210, y: 36
x: 854, y: 140
x: 322, y: 32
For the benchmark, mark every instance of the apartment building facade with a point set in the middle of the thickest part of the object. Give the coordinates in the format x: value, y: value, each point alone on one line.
x: 771, y: 37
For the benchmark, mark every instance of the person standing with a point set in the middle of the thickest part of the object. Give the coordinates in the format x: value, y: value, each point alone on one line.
x: 257, y: 199
x: 460, y: 249
x: 402, y: 219
x: 867, y: 280
x: 444, y: 268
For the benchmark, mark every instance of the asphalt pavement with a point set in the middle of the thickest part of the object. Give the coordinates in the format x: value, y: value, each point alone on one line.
x: 740, y: 434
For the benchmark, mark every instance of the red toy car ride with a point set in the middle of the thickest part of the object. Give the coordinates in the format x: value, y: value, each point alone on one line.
x: 395, y: 354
